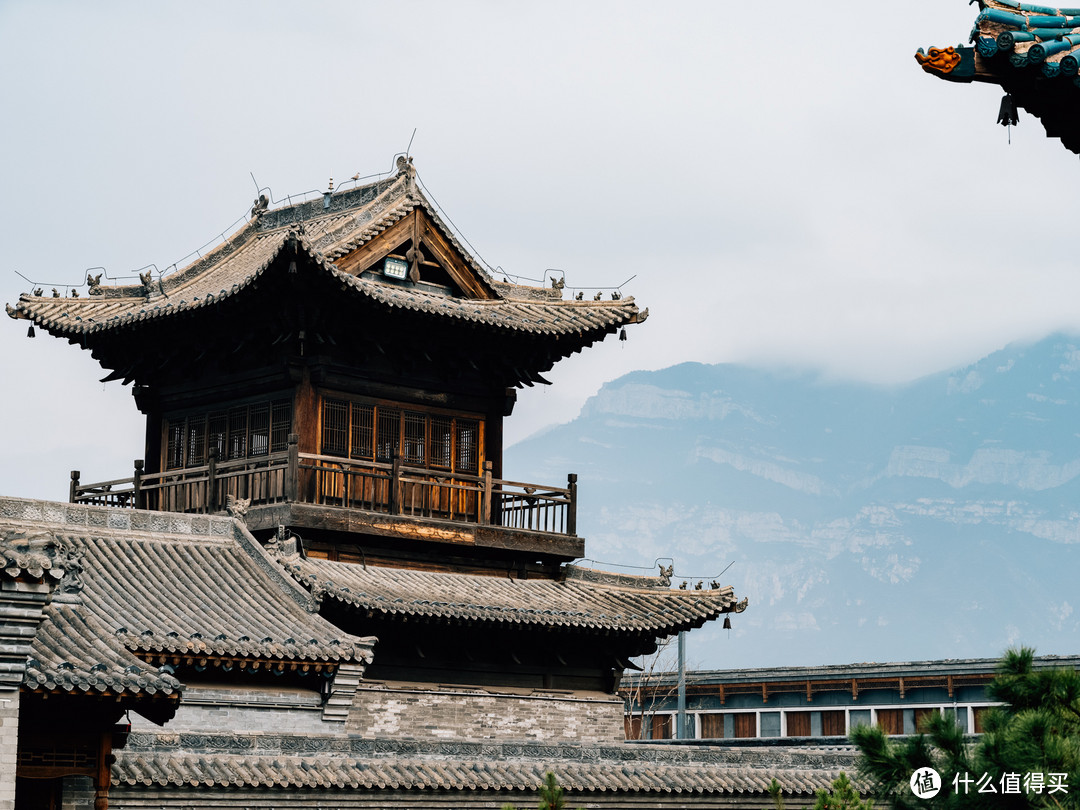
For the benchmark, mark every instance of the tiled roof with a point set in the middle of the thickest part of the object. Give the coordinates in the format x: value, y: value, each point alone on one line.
x: 1032, y: 51
x: 352, y: 219
x: 388, y: 764
x: 846, y: 672
x: 74, y: 652
x: 1029, y: 36
x: 185, y: 585
x: 575, y: 602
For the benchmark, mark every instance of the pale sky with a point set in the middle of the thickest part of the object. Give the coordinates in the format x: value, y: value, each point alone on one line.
x: 784, y: 186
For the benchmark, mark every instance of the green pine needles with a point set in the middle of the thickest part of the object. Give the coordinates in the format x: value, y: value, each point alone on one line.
x: 1027, y: 757
x: 840, y: 796
x: 551, y: 795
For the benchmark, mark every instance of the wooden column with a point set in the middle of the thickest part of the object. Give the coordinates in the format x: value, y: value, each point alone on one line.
x: 211, y: 481
x: 103, y: 777
x: 306, y: 414
x: 571, y: 508
x: 395, y: 484
x: 136, y: 485
x: 292, y: 472
x: 485, y: 504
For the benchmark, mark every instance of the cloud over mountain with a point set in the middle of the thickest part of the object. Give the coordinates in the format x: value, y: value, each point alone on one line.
x: 935, y: 519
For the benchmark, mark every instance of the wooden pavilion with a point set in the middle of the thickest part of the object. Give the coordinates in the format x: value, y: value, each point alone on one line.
x: 320, y: 552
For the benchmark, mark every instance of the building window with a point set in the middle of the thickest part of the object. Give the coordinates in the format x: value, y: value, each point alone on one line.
x: 745, y: 724
x: 859, y: 717
x: 832, y: 723
x: 798, y: 724
x: 374, y: 432
x: 891, y: 721
x: 661, y: 726
x: 243, y: 431
x: 923, y: 715
x: 712, y: 726
x: 769, y: 724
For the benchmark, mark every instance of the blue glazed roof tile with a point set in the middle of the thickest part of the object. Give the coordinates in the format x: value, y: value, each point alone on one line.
x: 1032, y: 51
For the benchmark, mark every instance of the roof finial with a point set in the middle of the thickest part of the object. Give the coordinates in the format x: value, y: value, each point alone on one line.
x: 405, y: 166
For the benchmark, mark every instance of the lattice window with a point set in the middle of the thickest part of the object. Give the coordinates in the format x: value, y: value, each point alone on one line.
x: 174, y: 445
x: 196, y: 440
x: 376, y: 432
x: 217, y: 433
x: 335, y: 428
x: 280, y: 425
x: 414, y: 438
x: 441, y: 448
x: 259, y: 429
x: 240, y: 432
x: 363, y: 432
x: 468, y: 446
x: 387, y: 433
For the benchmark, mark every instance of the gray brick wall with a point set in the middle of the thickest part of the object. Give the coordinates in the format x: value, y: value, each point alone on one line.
x: 77, y: 793
x: 223, y: 709
x: 9, y: 746
x: 439, y: 712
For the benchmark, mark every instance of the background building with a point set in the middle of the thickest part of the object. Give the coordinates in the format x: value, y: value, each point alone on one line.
x: 811, y: 703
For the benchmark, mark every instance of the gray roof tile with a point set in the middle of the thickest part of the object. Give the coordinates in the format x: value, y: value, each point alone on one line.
x: 74, y: 652
x: 355, y: 217
x: 571, y: 603
x: 192, y: 591
x: 388, y: 764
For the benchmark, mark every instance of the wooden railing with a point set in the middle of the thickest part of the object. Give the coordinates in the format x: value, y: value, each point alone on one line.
x: 391, y: 488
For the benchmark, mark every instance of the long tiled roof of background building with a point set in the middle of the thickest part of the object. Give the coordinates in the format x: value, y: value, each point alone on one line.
x: 292, y: 762
x: 1032, y: 51
x: 352, y: 219
x: 985, y: 667
x: 575, y: 602
x: 156, y: 583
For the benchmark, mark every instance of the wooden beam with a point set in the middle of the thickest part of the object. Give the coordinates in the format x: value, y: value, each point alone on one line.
x: 452, y: 262
x: 378, y: 248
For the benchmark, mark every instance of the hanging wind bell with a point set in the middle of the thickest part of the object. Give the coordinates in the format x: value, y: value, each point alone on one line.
x: 1008, y: 115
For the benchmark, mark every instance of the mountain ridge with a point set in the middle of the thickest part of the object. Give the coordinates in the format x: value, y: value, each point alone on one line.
x: 844, y: 505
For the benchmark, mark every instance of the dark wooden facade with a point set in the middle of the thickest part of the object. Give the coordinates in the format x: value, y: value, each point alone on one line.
x: 343, y: 368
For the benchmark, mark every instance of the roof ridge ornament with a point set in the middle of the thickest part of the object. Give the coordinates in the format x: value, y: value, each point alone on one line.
x: 405, y: 167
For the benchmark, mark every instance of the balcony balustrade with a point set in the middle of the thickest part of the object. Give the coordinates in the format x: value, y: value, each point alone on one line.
x: 387, y: 488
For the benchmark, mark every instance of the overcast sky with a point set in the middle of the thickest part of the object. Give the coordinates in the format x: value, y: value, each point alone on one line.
x: 784, y: 185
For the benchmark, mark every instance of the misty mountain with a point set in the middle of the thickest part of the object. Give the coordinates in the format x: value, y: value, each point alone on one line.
x: 935, y: 519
